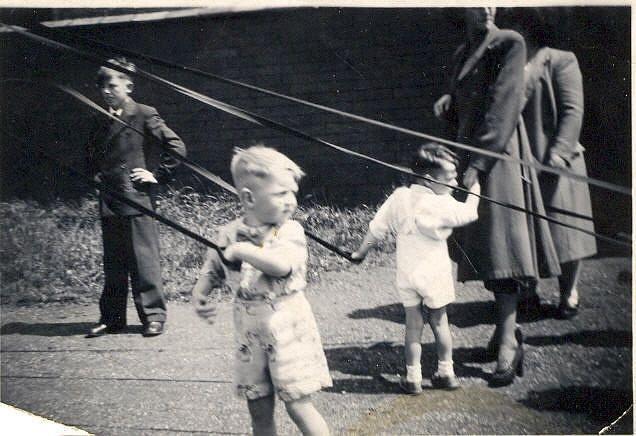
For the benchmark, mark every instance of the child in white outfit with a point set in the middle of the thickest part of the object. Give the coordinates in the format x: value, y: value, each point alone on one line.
x: 278, y: 347
x: 422, y: 217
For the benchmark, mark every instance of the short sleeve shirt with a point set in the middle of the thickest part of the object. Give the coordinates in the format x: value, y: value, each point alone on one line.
x: 289, y: 241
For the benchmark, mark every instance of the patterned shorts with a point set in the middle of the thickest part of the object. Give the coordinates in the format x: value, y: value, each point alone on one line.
x: 278, y: 349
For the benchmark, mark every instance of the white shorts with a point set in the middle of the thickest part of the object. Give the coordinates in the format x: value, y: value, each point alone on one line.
x: 431, y: 299
x: 278, y: 349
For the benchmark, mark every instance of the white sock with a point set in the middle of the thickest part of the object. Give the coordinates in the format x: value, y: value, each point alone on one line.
x: 445, y: 368
x: 414, y: 373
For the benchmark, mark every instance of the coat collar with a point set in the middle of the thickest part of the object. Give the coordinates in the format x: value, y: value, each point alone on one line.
x: 478, y: 53
x: 533, y: 71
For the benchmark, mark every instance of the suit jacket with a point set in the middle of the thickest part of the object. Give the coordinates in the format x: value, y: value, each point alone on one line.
x: 116, y: 150
x: 487, y: 90
x: 553, y: 114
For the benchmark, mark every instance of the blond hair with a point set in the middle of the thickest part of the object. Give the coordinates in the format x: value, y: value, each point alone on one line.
x: 260, y: 162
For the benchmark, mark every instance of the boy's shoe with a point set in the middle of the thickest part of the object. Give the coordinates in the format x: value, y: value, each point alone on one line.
x: 410, y: 388
x: 448, y: 382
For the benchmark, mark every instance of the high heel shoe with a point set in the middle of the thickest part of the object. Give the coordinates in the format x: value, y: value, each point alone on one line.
x: 492, y: 349
x: 506, y: 376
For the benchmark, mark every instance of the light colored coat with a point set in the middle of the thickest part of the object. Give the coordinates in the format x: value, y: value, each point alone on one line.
x: 553, y: 115
x: 487, y: 90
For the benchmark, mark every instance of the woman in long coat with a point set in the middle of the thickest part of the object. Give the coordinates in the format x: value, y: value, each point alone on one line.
x: 504, y: 248
x: 553, y: 114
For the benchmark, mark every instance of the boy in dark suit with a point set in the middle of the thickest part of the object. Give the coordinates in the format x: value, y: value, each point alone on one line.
x: 127, y: 161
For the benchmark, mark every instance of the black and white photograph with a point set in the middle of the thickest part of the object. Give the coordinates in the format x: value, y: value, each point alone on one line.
x: 315, y: 218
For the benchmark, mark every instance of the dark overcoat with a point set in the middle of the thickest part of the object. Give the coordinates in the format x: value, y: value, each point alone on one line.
x: 486, y: 89
x: 553, y: 115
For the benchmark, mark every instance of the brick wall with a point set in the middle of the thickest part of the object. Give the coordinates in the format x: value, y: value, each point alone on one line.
x: 386, y: 64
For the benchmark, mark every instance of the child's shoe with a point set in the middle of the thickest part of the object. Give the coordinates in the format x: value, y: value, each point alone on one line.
x: 410, y: 388
x: 448, y: 382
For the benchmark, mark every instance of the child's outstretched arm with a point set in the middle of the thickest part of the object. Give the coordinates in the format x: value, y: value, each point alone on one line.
x: 366, y: 244
x: 211, y: 276
x: 381, y: 224
x: 465, y: 212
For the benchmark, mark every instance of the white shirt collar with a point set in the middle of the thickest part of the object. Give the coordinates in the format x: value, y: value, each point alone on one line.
x: 116, y: 112
x: 422, y: 188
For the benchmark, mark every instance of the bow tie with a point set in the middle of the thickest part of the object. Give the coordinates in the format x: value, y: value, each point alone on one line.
x: 116, y: 113
x: 253, y: 234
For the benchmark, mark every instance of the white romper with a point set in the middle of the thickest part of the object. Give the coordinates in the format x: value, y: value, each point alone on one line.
x: 422, y: 221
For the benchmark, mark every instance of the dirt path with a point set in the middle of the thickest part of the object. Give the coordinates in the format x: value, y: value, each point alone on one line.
x: 578, y: 373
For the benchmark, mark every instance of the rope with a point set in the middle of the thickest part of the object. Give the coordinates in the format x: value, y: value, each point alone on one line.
x: 187, y: 162
x: 260, y: 120
x: 114, y: 193
x: 198, y: 72
x: 398, y: 168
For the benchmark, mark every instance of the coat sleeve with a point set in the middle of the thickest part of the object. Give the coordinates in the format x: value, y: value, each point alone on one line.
x: 157, y: 127
x: 568, y: 89
x: 503, y: 103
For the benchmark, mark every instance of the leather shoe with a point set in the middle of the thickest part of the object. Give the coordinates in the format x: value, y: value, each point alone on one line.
x: 410, y: 388
x: 153, y: 328
x: 101, y: 329
x: 448, y: 382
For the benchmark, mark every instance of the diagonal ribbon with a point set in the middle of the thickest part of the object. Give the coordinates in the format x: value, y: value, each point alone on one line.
x: 534, y: 164
x: 260, y: 120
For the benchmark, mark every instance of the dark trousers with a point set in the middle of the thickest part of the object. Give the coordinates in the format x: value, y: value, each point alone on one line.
x: 131, y: 249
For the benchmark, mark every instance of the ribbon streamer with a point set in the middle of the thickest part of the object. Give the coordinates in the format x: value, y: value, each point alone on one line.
x: 536, y: 165
x: 255, y: 118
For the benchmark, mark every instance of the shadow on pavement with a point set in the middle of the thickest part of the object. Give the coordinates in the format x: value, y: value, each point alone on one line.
x: 586, y: 338
x: 389, y: 312
x: 462, y: 315
x: 388, y: 358
x: 55, y: 329
x: 459, y: 314
x: 601, y: 404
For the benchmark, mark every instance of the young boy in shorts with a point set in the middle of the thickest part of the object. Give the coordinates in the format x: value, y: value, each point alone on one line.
x: 422, y: 216
x: 278, y: 347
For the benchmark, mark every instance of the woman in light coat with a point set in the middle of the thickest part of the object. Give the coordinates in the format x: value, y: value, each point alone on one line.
x: 553, y: 114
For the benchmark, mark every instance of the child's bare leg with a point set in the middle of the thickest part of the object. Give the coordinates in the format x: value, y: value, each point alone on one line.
x: 306, y: 417
x: 413, y: 343
x: 444, y: 377
x: 438, y: 320
x: 262, y: 414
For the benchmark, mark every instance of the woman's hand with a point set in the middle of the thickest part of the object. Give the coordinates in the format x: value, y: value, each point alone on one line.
x: 441, y: 106
x: 556, y: 161
x: 470, y: 177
